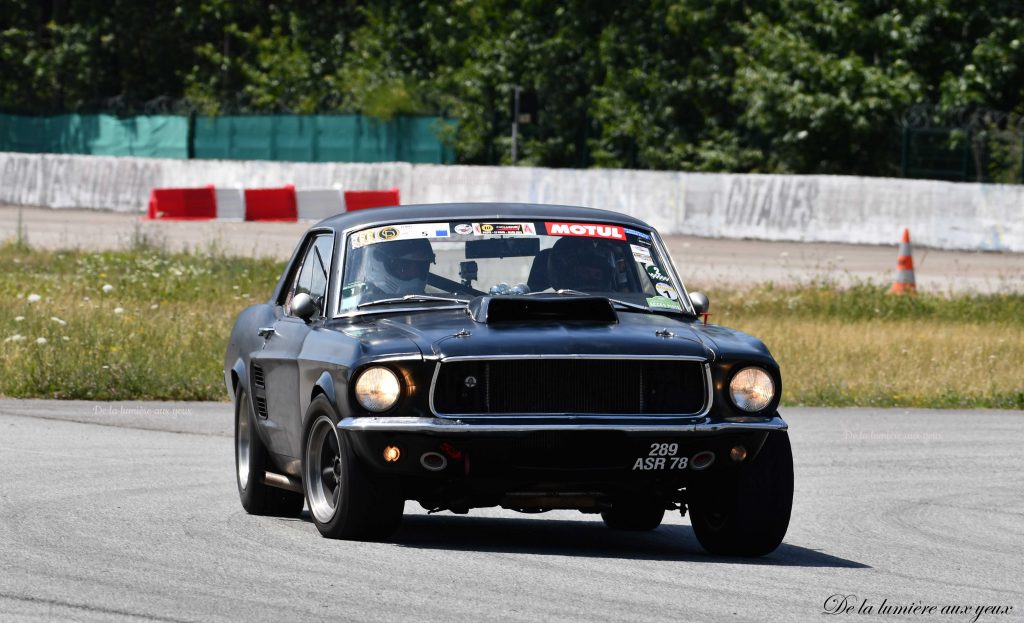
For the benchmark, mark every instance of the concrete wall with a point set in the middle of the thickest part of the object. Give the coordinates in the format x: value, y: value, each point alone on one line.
x: 769, y: 207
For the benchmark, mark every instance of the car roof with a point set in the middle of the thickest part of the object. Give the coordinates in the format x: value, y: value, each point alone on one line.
x: 475, y: 212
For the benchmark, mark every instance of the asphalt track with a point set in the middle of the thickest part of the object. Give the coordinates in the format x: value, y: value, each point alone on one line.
x: 129, y: 511
x: 703, y: 263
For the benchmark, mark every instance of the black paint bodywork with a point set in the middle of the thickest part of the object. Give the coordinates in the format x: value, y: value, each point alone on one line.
x: 489, y: 458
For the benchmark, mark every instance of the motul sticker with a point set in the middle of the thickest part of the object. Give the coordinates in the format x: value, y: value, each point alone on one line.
x: 589, y: 230
x: 505, y: 229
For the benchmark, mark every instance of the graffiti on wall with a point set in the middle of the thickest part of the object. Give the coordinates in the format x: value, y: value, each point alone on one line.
x: 769, y: 201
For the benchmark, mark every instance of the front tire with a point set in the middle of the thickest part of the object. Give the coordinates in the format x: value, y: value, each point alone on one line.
x: 251, y: 461
x: 345, y: 499
x: 748, y: 513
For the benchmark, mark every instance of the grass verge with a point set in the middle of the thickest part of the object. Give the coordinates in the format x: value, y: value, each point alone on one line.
x: 147, y: 324
x: 861, y: 346
x: 138, y: 324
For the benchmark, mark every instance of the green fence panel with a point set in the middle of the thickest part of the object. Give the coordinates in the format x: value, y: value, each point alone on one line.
x: 155, y: 136
x: 212, y: 139
x: 337, y: 138
x: 320, y: 138
x: 421, y: 144
x: 294, y: 138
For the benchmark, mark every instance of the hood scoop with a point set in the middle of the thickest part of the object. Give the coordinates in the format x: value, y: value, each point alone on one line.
x: 554, y: 308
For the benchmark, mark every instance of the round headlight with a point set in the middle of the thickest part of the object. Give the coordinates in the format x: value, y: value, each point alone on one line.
x: 378, y: 389
x: 752, y: 389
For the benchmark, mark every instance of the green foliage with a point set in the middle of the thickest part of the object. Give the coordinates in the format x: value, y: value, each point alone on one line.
x: 805, y: 86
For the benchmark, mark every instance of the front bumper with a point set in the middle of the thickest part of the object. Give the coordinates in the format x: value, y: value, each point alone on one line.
x: 444, y: 426
x: 563, y: 451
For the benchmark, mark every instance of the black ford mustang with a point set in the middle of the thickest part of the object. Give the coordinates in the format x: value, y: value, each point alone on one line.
x: 531, y: 357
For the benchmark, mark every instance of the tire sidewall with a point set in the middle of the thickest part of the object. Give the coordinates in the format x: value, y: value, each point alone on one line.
x: 320, y: 406
x: 755, y: 504
x: 369, y: 507
x: 255, y: 458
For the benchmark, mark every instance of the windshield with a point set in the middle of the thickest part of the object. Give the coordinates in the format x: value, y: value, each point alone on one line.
x: 441, y: 263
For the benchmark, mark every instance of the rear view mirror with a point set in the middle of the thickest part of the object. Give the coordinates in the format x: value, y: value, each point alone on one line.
x: 502, y: 247
x: 701, y: 304
x: 303, y: 306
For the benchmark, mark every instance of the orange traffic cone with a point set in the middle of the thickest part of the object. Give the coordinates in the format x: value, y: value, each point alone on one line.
x: 904, y: 282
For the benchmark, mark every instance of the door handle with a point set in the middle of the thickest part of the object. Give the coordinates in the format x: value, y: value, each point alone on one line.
x: 265, y: 332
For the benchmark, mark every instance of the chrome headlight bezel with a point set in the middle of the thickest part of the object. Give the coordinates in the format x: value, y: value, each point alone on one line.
x: 377, y: 389
x: 752, y: 389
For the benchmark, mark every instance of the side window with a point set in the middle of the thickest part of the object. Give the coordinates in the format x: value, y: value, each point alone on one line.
x: 312, y: 276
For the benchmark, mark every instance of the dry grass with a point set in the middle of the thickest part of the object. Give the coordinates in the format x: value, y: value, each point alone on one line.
x: 888, y: 363
x: 856, y: 346
x: 861, y: 346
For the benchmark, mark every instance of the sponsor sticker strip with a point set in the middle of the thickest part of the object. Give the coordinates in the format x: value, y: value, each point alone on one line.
x: 399, y: 232
x: 504, y: 229
x: 639, y: 234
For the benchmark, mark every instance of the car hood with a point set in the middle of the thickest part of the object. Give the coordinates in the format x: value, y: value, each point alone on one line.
x: 453, y: 333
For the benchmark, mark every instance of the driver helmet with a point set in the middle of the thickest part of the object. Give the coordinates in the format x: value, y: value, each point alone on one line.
x: 581, y: 264
x: 399, y: 267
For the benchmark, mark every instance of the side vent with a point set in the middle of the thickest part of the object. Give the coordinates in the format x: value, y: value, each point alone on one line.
x: 257, y: 376
x: 261, y: 407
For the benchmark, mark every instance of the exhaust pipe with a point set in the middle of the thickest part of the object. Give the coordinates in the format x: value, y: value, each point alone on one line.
x: 433, y: 461
x: 282, y: 481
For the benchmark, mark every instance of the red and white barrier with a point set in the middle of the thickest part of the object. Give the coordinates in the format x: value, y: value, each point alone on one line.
x: 262, y: 204
x: 316, y: 205
x: 183, y: 204
x: 362, y: 199
x: 270, y: 204
x: 230, y: 204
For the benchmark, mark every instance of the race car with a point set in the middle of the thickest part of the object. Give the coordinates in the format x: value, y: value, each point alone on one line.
x: 529, y: 357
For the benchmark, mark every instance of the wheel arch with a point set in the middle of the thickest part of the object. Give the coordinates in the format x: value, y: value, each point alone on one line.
x: 237, y: 376
x: 324, y: 386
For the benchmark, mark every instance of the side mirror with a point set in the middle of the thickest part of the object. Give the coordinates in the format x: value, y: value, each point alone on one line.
x: 303, y: 306
x: 701, y: 304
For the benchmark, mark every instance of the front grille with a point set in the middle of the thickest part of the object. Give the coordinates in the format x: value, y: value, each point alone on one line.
x: 570, y: 386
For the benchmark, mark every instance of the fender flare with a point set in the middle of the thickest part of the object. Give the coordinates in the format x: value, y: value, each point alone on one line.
x: 324, y: 385
x: 243, y: 378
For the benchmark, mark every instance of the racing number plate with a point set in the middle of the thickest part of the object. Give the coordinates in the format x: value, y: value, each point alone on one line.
x: 661, y: 456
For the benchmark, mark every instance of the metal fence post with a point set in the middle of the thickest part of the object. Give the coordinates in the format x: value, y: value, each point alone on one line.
x: 190, y: 138
x: 904, y: 151
x: 967, y: 157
